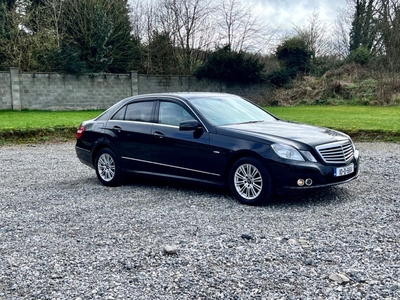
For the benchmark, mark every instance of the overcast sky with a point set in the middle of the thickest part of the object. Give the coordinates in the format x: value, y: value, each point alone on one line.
x: 285, y: 13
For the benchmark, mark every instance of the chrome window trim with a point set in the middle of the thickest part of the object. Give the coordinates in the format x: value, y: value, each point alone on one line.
x: 157, y: 98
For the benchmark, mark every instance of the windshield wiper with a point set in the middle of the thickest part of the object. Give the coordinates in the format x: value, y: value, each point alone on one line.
x: 249, y: 122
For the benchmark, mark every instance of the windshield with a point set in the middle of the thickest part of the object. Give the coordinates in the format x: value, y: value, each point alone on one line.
x: 229, y: 109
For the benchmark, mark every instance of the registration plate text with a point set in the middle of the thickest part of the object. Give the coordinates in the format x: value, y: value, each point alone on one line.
x: 343, y: 170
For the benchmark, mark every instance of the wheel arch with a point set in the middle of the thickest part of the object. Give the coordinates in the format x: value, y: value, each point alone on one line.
x: 241, y: 154
x: 103, y: 145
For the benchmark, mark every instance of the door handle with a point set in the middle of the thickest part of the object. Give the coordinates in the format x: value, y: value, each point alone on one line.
x: 117, y: 129
x: 158, y: 134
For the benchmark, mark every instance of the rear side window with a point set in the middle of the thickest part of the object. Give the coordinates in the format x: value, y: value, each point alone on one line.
x: 138, y: 111
x: 120, y: 115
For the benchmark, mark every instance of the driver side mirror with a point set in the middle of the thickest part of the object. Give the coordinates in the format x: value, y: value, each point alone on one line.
x: 189, y: 125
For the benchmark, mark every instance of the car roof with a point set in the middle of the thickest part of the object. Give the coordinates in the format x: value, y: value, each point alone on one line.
x: 176, y: 95
x: 186, y: 95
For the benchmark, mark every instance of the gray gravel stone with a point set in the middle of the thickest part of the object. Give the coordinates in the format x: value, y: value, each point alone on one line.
x: 339, y: 278
x: 65, y: 236
x: 170, y: 249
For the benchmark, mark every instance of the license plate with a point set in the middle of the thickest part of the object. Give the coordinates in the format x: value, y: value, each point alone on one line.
x: 343, y: 170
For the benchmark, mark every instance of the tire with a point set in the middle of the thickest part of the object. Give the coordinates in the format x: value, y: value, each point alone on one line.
x: 250, y: 182
x: 107, y: 167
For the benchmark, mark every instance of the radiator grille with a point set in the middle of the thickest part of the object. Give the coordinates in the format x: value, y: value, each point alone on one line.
x: 340, y: 152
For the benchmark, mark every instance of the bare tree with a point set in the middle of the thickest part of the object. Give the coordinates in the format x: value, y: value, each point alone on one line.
x: 54, y: 10
x: 389, y: 25
x: 138, y: 17
x: 315, y: 34
x: 188, y: 23
x: 195, y: 27
x: 341, y: 29
x: 242, y: 28
x: 144, y: 26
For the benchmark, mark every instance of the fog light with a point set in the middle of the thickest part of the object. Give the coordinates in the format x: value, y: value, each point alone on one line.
x: 308, y: 181
x: 300, y: 182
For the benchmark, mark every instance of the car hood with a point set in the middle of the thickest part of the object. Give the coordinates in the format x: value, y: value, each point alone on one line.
x: 275, y: 130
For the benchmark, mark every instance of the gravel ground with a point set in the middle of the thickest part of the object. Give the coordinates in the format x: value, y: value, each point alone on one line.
x: 65, y: 236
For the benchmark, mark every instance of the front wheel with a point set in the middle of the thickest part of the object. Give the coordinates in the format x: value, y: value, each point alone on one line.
x: 107, y: 168
x: 250, y: 182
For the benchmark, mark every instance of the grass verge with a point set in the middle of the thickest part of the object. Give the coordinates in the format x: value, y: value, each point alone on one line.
x: 37, y: 135
x: 362, y: 123
x: 32, y: 127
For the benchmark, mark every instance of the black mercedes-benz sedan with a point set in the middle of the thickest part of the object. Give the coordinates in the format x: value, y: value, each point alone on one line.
x: 213, y: 138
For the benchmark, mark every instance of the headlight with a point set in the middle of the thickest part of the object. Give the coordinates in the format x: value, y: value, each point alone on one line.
x: 287, y: 152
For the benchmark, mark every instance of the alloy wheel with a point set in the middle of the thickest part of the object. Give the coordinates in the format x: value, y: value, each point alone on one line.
x: 248, y: 181
x: 106, y: 167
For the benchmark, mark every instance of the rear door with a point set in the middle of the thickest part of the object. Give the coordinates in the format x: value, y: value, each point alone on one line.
x: 131, y: 127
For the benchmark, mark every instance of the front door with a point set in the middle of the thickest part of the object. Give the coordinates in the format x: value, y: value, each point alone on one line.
x: 183, y: 154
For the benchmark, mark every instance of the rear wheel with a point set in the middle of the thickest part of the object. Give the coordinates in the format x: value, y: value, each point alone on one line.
x: 107, y: 168
x: 250, y: 182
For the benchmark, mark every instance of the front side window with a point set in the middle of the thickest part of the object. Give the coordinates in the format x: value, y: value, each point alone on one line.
x: 171, y: 113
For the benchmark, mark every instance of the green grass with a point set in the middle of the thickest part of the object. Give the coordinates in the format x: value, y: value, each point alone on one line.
x: 362, y: 123
x: 371, y: 118
x: 41, y: 126
x: 44, y: 119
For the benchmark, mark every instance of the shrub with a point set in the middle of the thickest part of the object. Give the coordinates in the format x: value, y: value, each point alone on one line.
x: 359, y: 56
x: 294, y: 54
x: 321, y: 65
x: 279, y: 78
x: 231, y: 66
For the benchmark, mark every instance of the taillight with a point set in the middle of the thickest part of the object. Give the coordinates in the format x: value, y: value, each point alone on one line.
x: 80, y: 131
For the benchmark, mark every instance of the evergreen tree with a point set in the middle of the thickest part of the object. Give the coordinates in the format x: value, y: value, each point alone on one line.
x: 124, y: 48
x: 7, y: 8
x: 363, y: 30
x: 99, y: 33
x: 161, y: 58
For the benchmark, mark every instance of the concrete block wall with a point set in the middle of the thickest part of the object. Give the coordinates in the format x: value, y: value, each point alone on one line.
x: 161, y: 84
x: 5, y: 91
x: 250, y: 91
x: 52, y: 91
x: 169, y: 84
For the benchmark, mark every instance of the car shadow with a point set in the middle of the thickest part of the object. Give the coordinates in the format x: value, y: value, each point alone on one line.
x: 320, y: 197
x: 189, y: 187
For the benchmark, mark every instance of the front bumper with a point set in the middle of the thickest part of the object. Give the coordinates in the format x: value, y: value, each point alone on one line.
x: 322, y: 175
